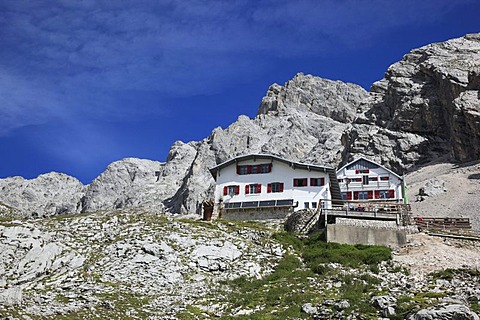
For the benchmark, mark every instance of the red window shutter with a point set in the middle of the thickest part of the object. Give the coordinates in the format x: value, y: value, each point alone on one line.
x: 305, y: 180
x: 259, y: 188
x: 355, y: 195
x: 237, y: 189
x: 281, y: 187
x: 357, y: 171
x: 259, y: 169
x: 249, y: 169
x: 367, y: 171
x: 247, y: 189
x: 269, y: 187
x: 313, y: 182
x: 322, y: 181
x: 392, y: 193
x: 225, y: 191
x: 295, y: 182
x: 349, y: 195
x: 377, y: 194
x: 370, y: 194
x: 238, y: 169
x: 269, y: 167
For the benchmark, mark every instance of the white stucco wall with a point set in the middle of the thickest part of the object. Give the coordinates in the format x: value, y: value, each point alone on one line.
x: 281, y: 172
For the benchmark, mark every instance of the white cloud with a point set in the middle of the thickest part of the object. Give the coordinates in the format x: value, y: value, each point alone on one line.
x: 67, y: 57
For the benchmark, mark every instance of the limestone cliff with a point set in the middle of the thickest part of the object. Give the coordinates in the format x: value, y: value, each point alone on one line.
x: 426, y: 107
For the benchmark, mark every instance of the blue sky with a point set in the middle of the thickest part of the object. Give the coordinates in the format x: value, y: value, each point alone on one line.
x: 85, y: 83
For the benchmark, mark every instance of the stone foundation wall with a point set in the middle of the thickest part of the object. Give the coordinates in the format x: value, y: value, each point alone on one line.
x: 262, y: 214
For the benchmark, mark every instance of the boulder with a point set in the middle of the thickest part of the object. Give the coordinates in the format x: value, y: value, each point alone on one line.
x: 453, y: 311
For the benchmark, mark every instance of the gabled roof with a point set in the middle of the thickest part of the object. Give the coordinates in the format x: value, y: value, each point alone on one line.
x: 293, y: 164
x: 371, y: 161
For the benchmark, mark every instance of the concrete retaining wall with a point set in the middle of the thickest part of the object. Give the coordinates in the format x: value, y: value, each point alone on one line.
x: 361, y: 235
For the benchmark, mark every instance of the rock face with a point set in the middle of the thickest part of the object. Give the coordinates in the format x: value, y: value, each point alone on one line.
x: 426, y: 107
x: 48, y: 194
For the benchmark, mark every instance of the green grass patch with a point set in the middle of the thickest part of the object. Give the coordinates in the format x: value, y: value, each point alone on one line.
x: 449, y: 274
x: 475, y: 307
x: 296, y: 278
x: 318, y: 252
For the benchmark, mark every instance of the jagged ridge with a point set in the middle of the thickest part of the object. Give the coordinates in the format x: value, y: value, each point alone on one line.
x: 426, y: 107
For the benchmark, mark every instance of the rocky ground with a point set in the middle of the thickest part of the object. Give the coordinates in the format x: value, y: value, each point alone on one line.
x: 133, y: 265
x: 122, y: 265
x: 449, y: 190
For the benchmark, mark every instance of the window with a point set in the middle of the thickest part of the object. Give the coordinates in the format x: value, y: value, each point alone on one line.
x: 254, y: 169
x: 385, y: 194
x: 253, y: 188
x: 242, y: 170
x: 306, y: 205
x: 362, y: 195
x: 356, y: 180
x: 365, y: 180
x: 347, y: 195
x: 314, y: 205
x: 372, y: 178
x: 340, y: 180
x: 384, y: 178
x: 300, y: 182
x: 231, y: 190
x: 275, y: 187
x: 317, y: 182
x: 265, y: 168
x: 362, y: 171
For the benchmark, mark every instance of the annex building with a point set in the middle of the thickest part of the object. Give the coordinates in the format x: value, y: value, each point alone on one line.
x: 266, y: 184
x: 364, y: 179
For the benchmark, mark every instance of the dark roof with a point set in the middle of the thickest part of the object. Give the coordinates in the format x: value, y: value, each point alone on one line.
x: 293, y: 164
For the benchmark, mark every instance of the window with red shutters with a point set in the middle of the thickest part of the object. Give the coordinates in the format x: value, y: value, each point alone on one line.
x: 370, y: 194
x: 275, y: 187
x: 254, y: 169
x: 349, y: 195
x: 247, y: 189
x: 384, y: 178
x: 355, y: 195
x: 302, y: 182
x: 377, y: 194
x: 225, y: 190
x: 317, y: 182
x: 253, y: 188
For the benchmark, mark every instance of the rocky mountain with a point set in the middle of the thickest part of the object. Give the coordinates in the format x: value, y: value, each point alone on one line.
x: 426, y: 107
